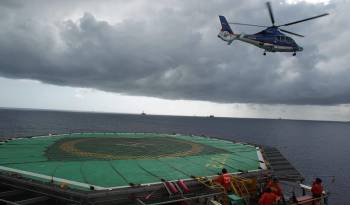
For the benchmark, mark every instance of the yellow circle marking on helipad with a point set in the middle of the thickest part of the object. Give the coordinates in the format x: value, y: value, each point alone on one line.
x: 70, y: 147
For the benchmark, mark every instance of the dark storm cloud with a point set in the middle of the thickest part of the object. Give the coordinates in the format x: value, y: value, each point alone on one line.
x: 170, y: 50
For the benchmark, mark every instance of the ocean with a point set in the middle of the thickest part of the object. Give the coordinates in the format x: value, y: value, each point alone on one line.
x: 315, y: 148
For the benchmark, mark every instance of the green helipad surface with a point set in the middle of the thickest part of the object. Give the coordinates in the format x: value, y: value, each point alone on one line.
x: 113, y: 160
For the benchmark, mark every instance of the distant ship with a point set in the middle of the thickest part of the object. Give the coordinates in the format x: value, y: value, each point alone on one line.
x: 211, y: 116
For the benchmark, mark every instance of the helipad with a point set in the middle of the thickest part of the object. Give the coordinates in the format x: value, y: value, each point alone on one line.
x: 115, y: 160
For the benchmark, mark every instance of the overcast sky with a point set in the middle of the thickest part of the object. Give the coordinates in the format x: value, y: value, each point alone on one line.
x: 163, y: 57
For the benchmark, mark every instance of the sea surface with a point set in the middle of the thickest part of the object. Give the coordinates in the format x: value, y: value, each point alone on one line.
x: 315, y: 148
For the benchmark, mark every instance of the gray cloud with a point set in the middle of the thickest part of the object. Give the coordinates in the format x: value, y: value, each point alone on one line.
x: 169, y: 49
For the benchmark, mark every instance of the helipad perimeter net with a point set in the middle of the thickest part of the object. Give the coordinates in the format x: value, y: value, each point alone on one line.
x: 114, y: 160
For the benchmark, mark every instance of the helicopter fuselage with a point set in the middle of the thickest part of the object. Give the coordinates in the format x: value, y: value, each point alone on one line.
x: 270, y: 39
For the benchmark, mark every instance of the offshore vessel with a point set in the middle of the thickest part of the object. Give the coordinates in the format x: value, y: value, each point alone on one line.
x: 140, y: 168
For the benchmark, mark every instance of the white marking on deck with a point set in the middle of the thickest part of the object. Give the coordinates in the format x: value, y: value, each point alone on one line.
x: 261, y: 159
x: 55, y: 179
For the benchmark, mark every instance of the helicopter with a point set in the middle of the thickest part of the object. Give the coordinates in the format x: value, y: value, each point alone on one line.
x: 271, y: 39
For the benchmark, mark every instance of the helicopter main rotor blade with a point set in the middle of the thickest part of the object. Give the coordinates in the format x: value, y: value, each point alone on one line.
x: 307, y: 19
x: 244, y: 24
x: 268, y: 4
x: 295, y: 34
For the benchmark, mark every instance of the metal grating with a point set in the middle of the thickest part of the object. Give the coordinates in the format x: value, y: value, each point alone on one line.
x: 280, y: 166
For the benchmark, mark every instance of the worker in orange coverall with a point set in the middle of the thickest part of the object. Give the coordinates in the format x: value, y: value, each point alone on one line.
x: 275, y: 187
x: 317, y: 189
x: 224, y: 179
x: 268, y: 197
